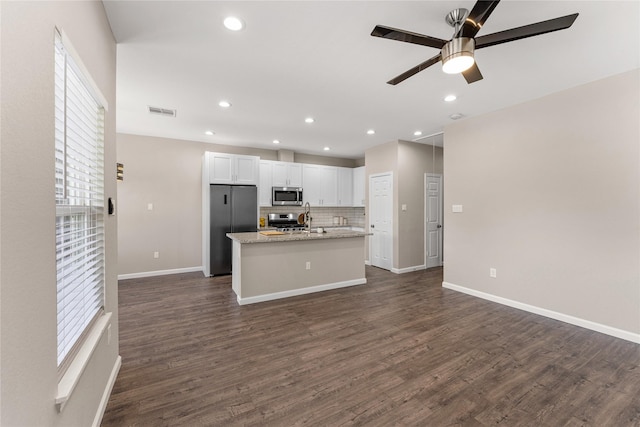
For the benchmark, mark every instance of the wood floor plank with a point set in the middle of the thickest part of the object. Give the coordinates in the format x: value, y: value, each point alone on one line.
x: 400, y: 350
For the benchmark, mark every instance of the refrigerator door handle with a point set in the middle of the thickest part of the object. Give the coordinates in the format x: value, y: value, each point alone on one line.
x: 225, y: 199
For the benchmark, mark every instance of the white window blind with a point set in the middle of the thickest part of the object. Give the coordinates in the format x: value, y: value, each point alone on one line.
x: 79, y: 176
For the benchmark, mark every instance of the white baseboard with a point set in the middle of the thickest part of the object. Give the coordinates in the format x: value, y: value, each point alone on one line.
x: 158, y: 273
x: 587, y: 324
x: 408, y: 269
x: 107, y: 392
x: 301, y: 291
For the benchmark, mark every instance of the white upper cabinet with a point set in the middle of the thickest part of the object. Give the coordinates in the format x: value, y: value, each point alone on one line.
x: 320, y: 185
x: 358, y: 187
x: 264, y: 189
x: 247, y: 170
x: 233, y: 169
x: 345, y: 187
x: 287, y: 174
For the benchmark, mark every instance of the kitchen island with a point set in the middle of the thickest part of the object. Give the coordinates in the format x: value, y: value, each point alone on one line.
x: 271, y: 267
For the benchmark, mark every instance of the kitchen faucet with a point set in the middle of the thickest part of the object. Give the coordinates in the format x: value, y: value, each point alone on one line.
x: 307, y: 217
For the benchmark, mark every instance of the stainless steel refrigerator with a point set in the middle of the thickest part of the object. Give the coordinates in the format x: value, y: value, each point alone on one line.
x: 234, y: 209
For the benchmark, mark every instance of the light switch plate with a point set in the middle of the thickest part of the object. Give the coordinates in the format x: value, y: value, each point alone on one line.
x: 404, y: 207
x: 456, y: 208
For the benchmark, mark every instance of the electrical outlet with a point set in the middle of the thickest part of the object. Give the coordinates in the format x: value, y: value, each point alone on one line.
x: 156, y: 255
x: 149, y: 206
x: 308, y: 266
x: 492, y: 272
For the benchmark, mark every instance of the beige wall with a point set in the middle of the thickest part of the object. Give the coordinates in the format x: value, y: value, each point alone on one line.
x: 408, y: 161
x: 550, y: 193
x: 168, y: 174
x: 27, y: 239
x: 415, y: 160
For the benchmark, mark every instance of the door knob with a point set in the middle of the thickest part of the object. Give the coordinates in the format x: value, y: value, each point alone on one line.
x: 439, y: 226
x: 373, y: 226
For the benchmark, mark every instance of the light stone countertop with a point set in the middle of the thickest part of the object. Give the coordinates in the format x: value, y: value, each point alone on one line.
x: 256, y: 237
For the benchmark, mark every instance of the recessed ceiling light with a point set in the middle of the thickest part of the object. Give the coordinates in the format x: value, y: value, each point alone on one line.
x: 450, y: 98
x: 224, y: 104
x: 234, y: 24
x: 417, y: 133
x: 309, y: 120
x: 371, y: 132
x: 209, y: 132
x: 275, y: 141
x: 327, y: 148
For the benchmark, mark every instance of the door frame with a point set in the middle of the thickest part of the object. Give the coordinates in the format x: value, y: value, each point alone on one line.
x: 392, y: 210
x: 426, y: 231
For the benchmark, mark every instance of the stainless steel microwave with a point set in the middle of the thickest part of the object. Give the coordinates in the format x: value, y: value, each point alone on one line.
x: 286, y: 196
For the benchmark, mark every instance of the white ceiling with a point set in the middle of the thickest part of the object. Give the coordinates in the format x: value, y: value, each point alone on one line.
x: 316, y: 58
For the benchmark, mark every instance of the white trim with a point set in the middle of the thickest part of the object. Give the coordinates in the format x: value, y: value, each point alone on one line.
x: 409, y: 269
x: 206, y: 213
x: 97, y: 420
x: 301, y: 291
x: 70, y: 379
x: 583, y: 323
x: 85, y: 75
x: 159, y: 273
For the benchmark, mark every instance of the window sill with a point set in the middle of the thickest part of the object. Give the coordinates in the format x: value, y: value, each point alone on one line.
x: 70, y: 379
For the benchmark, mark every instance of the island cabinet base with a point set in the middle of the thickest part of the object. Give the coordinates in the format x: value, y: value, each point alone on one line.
x: 269, y: 271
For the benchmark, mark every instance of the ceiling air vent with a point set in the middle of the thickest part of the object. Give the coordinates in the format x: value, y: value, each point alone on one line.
x: 162, y: 111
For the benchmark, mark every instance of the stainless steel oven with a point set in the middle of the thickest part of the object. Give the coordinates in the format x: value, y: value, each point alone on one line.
x: 286, y: 196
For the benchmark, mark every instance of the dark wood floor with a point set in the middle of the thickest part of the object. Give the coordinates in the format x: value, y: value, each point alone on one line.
x: 400, y: 350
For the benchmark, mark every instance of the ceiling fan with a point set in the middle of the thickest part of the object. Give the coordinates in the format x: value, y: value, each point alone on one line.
x: 457, y: 54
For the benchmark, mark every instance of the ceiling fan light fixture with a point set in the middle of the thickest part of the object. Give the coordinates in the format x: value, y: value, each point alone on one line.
x: 457, y: 55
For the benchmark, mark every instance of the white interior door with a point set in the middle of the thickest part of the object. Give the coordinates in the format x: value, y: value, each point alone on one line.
x: 381, y: 220
x: 433, y: 217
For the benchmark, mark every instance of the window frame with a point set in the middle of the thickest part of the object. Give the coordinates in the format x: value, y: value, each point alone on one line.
x: 87, y: 201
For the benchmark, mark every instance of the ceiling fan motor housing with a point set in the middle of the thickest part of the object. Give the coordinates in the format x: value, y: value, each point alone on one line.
x: 461, y: 47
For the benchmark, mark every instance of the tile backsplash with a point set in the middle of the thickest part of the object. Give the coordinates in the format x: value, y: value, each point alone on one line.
x: 322, y: 216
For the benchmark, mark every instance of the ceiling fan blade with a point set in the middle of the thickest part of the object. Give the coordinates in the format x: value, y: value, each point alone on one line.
x: 472, y: 74
x: 407, y: 36
x: 402, y: 77
x: 525, y: 31
x: 477, y: 17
